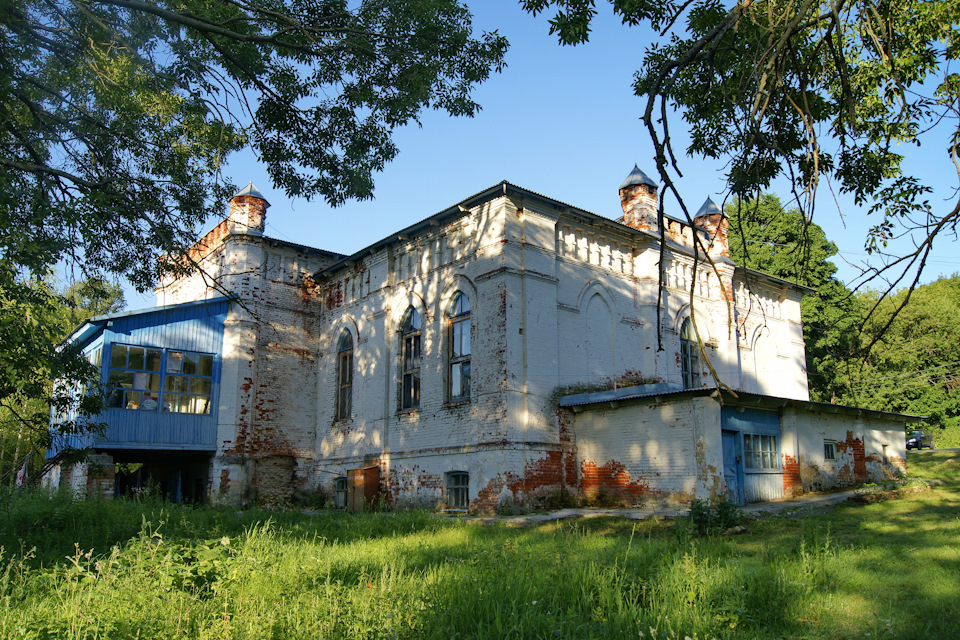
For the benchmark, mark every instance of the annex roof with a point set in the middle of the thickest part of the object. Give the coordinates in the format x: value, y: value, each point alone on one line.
x: 90, y: 327
x: 655, y: 392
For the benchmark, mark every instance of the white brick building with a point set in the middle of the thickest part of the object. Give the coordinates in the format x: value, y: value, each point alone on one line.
x: 507, y: 348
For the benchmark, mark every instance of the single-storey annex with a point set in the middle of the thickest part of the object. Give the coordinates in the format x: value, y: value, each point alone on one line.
x: 505, y: 349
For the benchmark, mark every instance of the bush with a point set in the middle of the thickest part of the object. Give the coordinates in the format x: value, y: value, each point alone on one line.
x: 715, y: 515
x: 562, y: 499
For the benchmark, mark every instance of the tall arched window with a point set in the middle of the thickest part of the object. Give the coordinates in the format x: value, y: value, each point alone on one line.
x: 689, y: 356
x: 459, y: 337
x: 344, y: 376
x: 410, y: 352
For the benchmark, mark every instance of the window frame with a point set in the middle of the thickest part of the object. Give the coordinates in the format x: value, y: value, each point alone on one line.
x: 195, y: 384
x: 340, y: 492
x: 690, y: 372
x: 458, y: 490
x: 767, y: 456
x: 829, y: 450
x: 411, y: 356
x: 344, y: 401
x: 459, y: 332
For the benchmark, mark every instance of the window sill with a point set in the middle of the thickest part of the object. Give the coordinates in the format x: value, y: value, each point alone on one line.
x: 455, y: 404
x: 763, y: 471
x: 407, y: 412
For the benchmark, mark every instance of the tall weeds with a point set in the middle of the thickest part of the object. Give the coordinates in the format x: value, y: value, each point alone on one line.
x: 158, y: 570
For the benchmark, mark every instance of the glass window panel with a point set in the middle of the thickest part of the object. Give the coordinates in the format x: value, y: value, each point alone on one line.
x: 407, y: 353
x: 122, y: 378
x: 118, y: 356
x: 136, y: 358
x: 465, y: 337
x: 141, y: 380
x: 153, y: 360
x: 176, y: 384
x: 174, y: 362
x: 455, y: 381
x: 170, y: 402
x: 190, y: 362
x: 200, y: 386
x: 206, y: 365
x: 133, y: 399
x: 466, y: 379
x: 455, y: 340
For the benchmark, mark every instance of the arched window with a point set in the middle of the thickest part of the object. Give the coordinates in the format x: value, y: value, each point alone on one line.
x: 344, y: 376
x: 459, y: 337
x: 689, y: 356
x: 410, y: 352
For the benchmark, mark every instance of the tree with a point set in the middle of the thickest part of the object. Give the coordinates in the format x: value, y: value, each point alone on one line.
x: 116, y: 117
x: 766, y: 236
x: 35, y: 322
x: 914, y: 366
x: 809, y: 91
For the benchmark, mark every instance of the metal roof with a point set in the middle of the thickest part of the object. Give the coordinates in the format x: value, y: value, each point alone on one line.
x: 742, y: 398
x: 89, y: 327
x: 709, y: 208
x: 637, y: 177
x: 250, y: 190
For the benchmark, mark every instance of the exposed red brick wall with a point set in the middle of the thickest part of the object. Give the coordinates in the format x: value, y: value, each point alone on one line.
x: 851, y: 447
x: 546, y: 472
x: 792, y: 482
x: 611, y: 478
x: 224, y: 481
x: 859, y: 459
x: 100, y: 480
x: 540, y: 477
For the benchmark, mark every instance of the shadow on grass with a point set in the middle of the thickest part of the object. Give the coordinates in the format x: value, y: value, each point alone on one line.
x: 884, y: 569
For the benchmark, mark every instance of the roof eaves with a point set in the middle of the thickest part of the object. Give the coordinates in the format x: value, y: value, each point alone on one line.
x: 99, y: 321
x: 502, y: 188
x: 742, y: 398
x: 756, y: 272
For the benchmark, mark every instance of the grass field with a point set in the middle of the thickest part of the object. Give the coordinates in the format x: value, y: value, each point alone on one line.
x: 127, y: 569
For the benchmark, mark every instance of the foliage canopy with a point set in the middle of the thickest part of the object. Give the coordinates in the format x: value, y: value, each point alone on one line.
x: 766, y: 236
x: 810, y: 91
x: 116, y: 117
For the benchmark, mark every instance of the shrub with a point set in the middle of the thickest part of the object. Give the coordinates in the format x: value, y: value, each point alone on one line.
x: 715, y: 515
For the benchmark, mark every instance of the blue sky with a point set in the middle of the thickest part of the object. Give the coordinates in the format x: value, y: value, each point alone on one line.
x: 561, y: 121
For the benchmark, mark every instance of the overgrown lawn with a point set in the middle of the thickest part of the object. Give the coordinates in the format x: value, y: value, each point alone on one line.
x: 128, y: 569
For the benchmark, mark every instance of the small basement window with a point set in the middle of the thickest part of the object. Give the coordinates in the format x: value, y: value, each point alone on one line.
x: 458, y: 489
x: 829, y: 449
x: 340, y: 492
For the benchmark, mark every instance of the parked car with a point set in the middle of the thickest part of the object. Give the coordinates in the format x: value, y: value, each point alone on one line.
x: 918, y: 439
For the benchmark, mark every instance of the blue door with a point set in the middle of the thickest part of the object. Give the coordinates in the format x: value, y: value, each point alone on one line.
x: 732, y: 465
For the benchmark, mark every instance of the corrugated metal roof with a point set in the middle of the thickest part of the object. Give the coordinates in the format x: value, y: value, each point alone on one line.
x: 91, y: 326
x: 743, y: 398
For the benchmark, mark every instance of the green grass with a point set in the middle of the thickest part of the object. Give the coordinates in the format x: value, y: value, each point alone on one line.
x: 152, y: 570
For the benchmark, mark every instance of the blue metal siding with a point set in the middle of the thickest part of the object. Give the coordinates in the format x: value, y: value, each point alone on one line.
x: 193, y: 328
x: 749, y: 420
x: 758, y: 485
